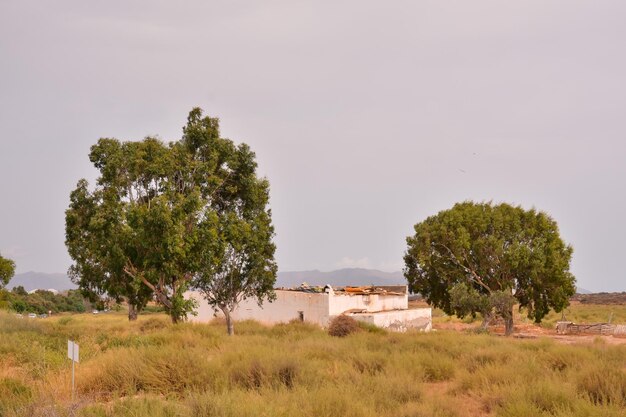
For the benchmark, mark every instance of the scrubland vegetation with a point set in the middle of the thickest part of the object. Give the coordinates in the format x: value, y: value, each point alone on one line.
x: 576, y: 312
x: 153, y: 368
x: 43, y: 301
x: 588, y: 313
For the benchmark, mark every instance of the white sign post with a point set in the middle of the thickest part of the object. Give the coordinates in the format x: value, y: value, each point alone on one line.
x: 72, y: 353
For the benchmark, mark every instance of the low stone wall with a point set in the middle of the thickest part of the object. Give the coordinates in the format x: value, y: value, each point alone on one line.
x: 399, y: 320
x: 605, y: 329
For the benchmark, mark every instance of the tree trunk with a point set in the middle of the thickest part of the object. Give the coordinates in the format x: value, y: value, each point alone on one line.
x: 169, y: 306
x: 487, y: 317
x: 174, y: 317
x: 229, y: 322
x: 508, y: 322
x: 132, y: 312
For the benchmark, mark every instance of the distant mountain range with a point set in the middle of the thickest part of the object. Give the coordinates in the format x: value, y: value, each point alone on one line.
x: 341, y: 277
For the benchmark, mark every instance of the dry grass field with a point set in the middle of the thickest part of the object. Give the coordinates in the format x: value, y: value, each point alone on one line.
x: 152, y: 368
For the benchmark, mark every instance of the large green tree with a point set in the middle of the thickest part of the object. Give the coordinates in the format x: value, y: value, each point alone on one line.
x: 7, y: 270
x: 479, y: 257
x: 111, y: 231
x: 145, y: 230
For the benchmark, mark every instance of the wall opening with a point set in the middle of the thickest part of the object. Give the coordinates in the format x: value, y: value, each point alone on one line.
x: 301, y: 315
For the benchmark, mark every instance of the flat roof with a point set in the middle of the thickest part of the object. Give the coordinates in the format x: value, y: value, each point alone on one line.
x: 350, y: 290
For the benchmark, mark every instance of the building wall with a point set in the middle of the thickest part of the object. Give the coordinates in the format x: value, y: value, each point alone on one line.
x: 400, y: 320
x: 341, y: 303
x: 387, y: 311
x: 286, y: 307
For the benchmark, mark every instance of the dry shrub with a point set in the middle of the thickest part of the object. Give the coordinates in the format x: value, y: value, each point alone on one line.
x: 548, y: 397
x: 342, y: 326
x: 369, y: 364
x: 403, y: 390
x: 438, y: 368
x: 63, y: 321
x: 479, y: 360
x: 331, y: 402
x: 14, y: 395
x: 153, y: 323
x: 433, y: 407
x: 257, y: 374
x: 287, y: 373
x: 388, y: 392
x: 603, y: 386
x: 132, y: 407
x: 155, y: 369
x: 253, y: 376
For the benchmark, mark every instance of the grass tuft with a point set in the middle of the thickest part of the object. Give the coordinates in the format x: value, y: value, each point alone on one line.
x: 603, y: 385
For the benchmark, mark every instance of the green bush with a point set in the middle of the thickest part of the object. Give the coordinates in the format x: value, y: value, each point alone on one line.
x: 42, y: 302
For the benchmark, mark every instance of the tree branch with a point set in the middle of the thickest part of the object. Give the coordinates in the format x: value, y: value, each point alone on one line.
x: 477, y: 279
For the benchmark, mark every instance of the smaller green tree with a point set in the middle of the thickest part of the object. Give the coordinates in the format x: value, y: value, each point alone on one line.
x: 467, y: 301
x: 19, y: 306
x: 7, y: 270
x: 479, y: 257
x: 19, y: 290
x: 239, y: 266
x: 238, y: 263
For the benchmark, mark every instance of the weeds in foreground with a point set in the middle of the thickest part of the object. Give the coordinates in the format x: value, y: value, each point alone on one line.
x: 151, y: 368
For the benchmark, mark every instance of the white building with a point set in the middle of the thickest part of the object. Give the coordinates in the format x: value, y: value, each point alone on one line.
x: 383, y: 306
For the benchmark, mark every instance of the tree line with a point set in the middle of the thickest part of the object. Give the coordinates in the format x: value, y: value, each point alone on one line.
x: 44, y: 302
x: 165, y: 218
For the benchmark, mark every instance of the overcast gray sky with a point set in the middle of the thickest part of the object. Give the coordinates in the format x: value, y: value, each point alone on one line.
x: 366, y: 116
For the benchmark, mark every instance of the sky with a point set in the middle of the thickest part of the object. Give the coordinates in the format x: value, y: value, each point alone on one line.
x: 366, y: 116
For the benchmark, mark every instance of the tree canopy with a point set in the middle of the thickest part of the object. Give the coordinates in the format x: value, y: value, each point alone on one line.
x: 152, y: 223
x: 479, y: 257
x: 7, y: 270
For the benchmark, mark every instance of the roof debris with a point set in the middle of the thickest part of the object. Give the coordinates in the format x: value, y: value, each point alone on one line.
x: 347, y: 290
